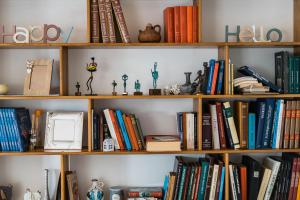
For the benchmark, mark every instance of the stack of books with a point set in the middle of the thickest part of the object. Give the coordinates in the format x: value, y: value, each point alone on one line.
x: 187, y: 128
x: 287, y: 72
x: 15, y: 128
x: 249, y: 85
x: 158, y: 143
x: 107, y: 22
x: 263, y: 124
x: 181, y: 24
x: 215, y: 77
x: 276, y: 178
x: 195, y: 179
x: 124, y: 129
x: 144, y: 193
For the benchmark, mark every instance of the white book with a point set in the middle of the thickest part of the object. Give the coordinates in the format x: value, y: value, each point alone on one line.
x: 274, y: 165
x: 190, y: 131
x: 111, y: 128
x: 232, y: 127
x: 214, y: 126
x: 214, y: 180
x: 232, y: 184
x: 279, y: 126
x: 264, y: 184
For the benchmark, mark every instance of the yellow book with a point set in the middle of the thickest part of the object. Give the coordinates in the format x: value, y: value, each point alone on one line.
x: 298, y: 191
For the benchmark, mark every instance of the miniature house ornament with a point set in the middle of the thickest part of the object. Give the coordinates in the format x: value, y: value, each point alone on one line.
x: 154, y: 73
x: 92, y: 67
x: 108, y: 143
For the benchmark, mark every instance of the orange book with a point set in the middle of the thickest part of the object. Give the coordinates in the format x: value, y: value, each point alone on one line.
x: 177, y: 24
x: 184, y: 135
x: 195, y: 24
x: 214, y: 80
x: 169, y: 25
x: 189, y: 24
x: 117, y: 129
x: 243, y: 177
x: 130, y: 129
x: 183, y: 24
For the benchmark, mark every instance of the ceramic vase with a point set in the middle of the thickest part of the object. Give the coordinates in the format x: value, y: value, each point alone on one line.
x: 187, y: 87
x: 96, y: 191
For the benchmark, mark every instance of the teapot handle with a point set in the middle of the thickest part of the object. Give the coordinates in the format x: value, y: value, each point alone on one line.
x: 157, y: 26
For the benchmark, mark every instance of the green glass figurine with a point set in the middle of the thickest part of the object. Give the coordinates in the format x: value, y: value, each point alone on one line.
x: 154, y: 72
x: 92, y: 67
x: 137, y: 87
x: 114, y: 84
x: 125, y: 78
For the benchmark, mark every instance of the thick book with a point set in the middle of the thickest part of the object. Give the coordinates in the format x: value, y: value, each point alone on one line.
x: 261, y: 110
x: 292, y: 125
x: 183, y: 24
x: 186, y: 181
x: 248, y: 71
x: 214, y: 79
x: 229, y: 140
x: 159, y: 143
x: 254, y: 173
x: 121, y: 20
x: 243, y: 181
x: 282, y: 126
x: 251, y: 130
x: 191, y: 181
x: 131, y: 133
x: 96, y: 134
x: 197, y: 181
x: 178, y: 165
x: 209, y: 179
x: 264, y: 183
x: 233, y: 189
x: 169, y: 25
x: 266, y: 136
x: 281, y: 70
x: 206, y: 132
x: 288, y: 112
x: 195, y: 24
x: 182, y: 180
x: 171, y: 186
x: 140, y: 130
x: 110, y: 22
x: 296, y: 74
x: 297, y: 125
x: 237, y: 182
x: 241, y: 116
x: 220, y: 76
x: 136, y: 132
x: 95, y: 22
x: 203, y: 179
x: 291, y: 75
x: 112, y: 125
x: 217, y: 193
x: 229, y: 117
x: 103, y: 21
x: 190, y: 129
x: 277, y: 124
x: 124, y: 130
x: 214, y: 126
x: 177, y: 24
x: 214, y: 180
x: 210, y: 76
x: 189, y: 14
x: 221, y: 126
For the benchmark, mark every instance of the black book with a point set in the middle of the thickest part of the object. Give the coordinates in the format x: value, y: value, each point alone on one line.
x: 287, y: 158
x: 281, y: 70
x: 178, y: 169
x: 196, y: 130
x: 206, y: 131
x: 254, y: 174
x: 275, y: 192
x: 237, y: 182
x: 96, y: 139
x: 229, y: 139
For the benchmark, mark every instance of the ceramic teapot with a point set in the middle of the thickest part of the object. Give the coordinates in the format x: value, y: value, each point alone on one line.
x: 150, y: 34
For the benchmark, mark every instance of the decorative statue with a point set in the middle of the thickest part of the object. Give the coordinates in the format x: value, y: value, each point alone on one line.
x: 187, y: 87
x: 200, y: 82
x: 92, y: 67
x: 77, y: 93
x: 154, y: 72
x: 137, y: 87
x: 125, y: 78
x: 114, y: 84
x: 96, y: 190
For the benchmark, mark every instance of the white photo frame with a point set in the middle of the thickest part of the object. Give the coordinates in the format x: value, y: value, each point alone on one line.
x: 64, y: 131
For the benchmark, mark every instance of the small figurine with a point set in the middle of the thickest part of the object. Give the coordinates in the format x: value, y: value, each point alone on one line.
x: 114, y: 84
x: 137, y: 87
x: 200, y: 82
x: 154, y: 72
x: 92, y: 67
x: 95, y: 192
x: 77, y: 93
x: 125, y: 78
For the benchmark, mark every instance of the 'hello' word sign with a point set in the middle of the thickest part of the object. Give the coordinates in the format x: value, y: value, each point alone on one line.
x: 35, y: 34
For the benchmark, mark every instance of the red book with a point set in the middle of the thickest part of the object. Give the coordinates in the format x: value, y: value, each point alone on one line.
x: 221, y: 125
x: 183, y: 24
x: 195, y: 24
x: 117, y: 129
x: 197, y: 181
x: 103, y: 21
x: 243, y: 181
x: 214, y: 80
x: 189, y: 24
x: 293, y: 177
x: 169, y: 25
x: 177, y: 24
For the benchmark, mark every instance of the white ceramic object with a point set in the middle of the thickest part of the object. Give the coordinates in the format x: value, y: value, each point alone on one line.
x: 3, y: 89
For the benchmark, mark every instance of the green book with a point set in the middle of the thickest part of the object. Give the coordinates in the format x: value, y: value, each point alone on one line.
x: 203, y: 179
x: 181, y: 185
x: 296, y: 74
x: 291, y: 75
x: 191, y: 182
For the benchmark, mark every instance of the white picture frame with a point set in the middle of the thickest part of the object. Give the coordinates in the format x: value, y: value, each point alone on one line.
x: 64, y: 131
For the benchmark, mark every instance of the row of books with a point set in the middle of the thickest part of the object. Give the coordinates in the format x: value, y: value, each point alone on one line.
x: 214, y: 79
x: 195, y: 179
x: 144, y: 193
x: 276, y: 178
x: 181, y: 24
x: 124, y: 129
x: 187, y: 128
x: 287, y: 72
x: 15, y: 127
x: 107, y: 22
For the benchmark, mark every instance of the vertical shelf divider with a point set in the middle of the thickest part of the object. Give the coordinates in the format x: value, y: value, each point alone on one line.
x: 64, y: 166
x: 63, y: 71
x: 223, y: 54
x: 226, y: 162
x: 90, y: 121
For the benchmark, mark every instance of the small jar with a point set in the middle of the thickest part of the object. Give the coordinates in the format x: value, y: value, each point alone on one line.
x: 116, y: 193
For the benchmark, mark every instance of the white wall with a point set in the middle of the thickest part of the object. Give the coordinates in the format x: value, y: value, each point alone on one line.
x: 156, y: 116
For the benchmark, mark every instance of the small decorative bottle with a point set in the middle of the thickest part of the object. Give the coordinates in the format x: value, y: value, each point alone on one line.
x: 96, y: 191
x: 108, y: 143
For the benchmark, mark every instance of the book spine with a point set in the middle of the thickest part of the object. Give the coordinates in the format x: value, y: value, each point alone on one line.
x: 220, y: 76
x: 203, y: 180
x: 292, y: 179
x: 285, y: 72
x: 251, y: 130
x: 95, y: 129
x: 291, y: 75
x: 182, y: 179
x: 229, y: 117
x: 165, y: 188
x: 228, y: 133
x: 214, y: 127
x: 140, y: 131
x: 131, y: 133
x: 267, y: 125
x: 206, y: 130
x: 195, y: 130
x: 5, y: 131
x: 279, y: 69
x: 103, y: 21
x: 178, y: 178
x: 297, y: 126
x: 279, y: 122
x: 136, y: 132
x: 121, y: 20
x: 232, y: 183
x: 11, y: 146
x: 169, y: 24
x: 296, y: 74
x: 214, y: 80
x: 297, y: 179
x: 111, y: 127
x: 272, y: 181
x: 110, y: 21
x: 260, y: 124
x: 222, y: 184
x: 214, y: 180
x: 2, y: 145
x: 15, y: 131
x: 186, y: 182
x: 195, y: 196
x: 292, y: 126
x: 191, y: 183
x: 189, y: 24
x: 124, y: 131
x: 287, y: 125
x: 221, y: 127
x: 190, y: 131
x: 237, y: 182
x: 195, y: 24
x: 177, y: 24
x: 210, y: 76
x: 282, y: 126
x: 183, y: 24
x: 95, y: 29
x: 209, y: 180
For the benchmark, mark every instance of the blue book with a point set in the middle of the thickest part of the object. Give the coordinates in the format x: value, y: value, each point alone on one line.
x: 13, y: 129
x: 220, y: 76
x: 8, y: 130
x: 203, y: 179
x: 123, y: 130
x: 261, y: 110
x: 210, y: 75
x: 251, y: 130
x: 266, y: 139
x: 222, y: 183
x: 180, y: 127
x: 3, y: 131
x: 166, y: 184
x: 275, y: 124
